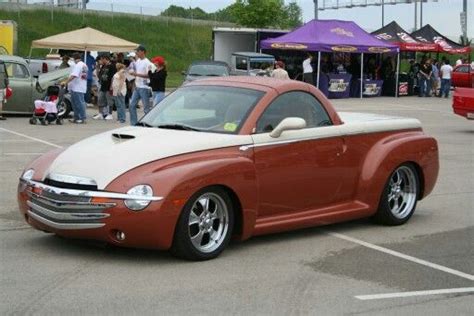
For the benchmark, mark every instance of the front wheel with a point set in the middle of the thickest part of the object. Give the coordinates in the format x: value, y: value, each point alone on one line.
x: 205, y: 225
x: 64, y: 108
x: 398, y: 201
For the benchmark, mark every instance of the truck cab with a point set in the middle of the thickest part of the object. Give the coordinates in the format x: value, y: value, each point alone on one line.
x: 252, y: 64
x: 463, y: 76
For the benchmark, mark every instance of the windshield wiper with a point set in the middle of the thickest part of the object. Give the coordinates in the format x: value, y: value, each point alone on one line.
x: 195, y: 75
x: 214, y: 75
x: 179, y: 126
x: 143, y: 124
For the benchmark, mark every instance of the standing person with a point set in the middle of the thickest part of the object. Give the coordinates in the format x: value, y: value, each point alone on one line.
x: 158, y: 79
x: 308, y: 69
x: 119, y: 90
x: 459, y: 61
x: 446, y: 71
x: 91, y: 63
x: 77, y: 85
x: 142, y: 91
x: 65, y: 62
x: 426, y: 71
x: 130, y: 63
x: 280, y: 72
x: 435, y: 78
x: 105, y: 101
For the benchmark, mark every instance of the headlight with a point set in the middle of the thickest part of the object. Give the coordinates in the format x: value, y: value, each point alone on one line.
x: 28, y: 174
x: 139, y: 190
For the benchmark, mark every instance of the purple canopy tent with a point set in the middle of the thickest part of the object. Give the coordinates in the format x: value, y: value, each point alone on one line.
x: 332, y: 36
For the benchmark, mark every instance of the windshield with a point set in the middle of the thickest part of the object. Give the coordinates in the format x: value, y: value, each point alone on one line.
x: 204, y: 108
x: 261, y: 63
x: 208, y: 70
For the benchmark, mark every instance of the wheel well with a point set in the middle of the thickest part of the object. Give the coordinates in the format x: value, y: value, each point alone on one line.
x: 238, y: 217
x: 421, y: 178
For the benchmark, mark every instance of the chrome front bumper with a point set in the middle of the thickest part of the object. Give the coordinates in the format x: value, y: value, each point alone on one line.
x: 69, y: 209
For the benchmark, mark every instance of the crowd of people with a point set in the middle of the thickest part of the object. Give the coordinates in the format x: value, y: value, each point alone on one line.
x: 118, y: 80
x: 432, y: 77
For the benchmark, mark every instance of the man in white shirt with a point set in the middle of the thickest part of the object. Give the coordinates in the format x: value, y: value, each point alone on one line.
x: 308, y: 70
x: 459, y: 61
x: 142, y: 90
x: 77, y: 85
x: 445, y: 71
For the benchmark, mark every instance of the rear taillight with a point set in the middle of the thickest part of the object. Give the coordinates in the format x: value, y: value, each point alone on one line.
x: 44, y: 69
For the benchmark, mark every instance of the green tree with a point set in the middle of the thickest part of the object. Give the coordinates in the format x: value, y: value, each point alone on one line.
x: 266, y: 13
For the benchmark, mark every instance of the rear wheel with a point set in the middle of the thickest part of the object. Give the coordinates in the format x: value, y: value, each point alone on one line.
x: 205, y: 225
x: 398, y: 201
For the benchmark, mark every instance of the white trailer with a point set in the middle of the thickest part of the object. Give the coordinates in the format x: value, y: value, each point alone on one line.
x: 227, y: 40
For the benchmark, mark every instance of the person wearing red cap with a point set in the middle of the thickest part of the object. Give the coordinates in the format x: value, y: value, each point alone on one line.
x: 158, y: 79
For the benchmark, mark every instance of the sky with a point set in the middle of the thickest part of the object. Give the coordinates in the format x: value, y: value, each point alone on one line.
x: 443, y: 15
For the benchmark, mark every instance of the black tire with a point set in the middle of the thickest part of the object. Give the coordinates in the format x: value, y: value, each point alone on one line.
x: 398, y: 202
x: 183, y: 246
x: 33, y: 121
x: 64, y: 109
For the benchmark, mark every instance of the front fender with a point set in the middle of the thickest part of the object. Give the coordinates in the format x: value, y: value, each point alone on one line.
x: 178, y: 178
x: 392, y: 151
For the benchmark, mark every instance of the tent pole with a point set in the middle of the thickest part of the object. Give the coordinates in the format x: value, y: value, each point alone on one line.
x: 85, y: 54
x: 397, y: 75
x: 319, y: 65
x: 29, y: 55
x: 361, y: 74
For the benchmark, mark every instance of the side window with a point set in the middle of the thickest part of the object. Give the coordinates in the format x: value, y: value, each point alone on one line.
x: 17, y: 71
x: 241, y: 63
x: 463, y: 69
x: 293, y: 104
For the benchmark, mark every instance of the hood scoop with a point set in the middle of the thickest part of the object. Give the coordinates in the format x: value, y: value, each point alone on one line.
x: 119, y: 136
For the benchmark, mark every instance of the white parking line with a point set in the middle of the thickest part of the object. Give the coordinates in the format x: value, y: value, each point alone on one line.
x: 29, y: 137
x: 414, y: 293
x: 403, y: 256
x: 21, y: 154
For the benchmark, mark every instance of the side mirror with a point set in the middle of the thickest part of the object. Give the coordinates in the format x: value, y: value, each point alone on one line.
x: 290, y: 123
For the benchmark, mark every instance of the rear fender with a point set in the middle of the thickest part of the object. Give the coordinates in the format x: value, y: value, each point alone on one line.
x: 392, y: 151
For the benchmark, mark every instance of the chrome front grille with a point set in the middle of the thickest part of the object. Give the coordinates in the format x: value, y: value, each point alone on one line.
x: 64, y: 211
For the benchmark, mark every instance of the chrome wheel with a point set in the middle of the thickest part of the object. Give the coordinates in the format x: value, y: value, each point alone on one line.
x: 402, y: 193
x: 208, y: 222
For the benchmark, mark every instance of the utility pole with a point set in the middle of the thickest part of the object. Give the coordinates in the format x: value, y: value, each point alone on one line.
x: 421, y: 14
x: 315, y: 9
x: 416, y: 16
x: 464, y: 23
x: 383, y: 13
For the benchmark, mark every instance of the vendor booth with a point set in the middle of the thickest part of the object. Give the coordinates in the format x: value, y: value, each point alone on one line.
x: 394, y: 34
x: 335, y: 36
x: 427, y: 34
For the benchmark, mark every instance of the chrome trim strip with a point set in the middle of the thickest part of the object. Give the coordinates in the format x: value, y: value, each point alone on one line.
x: 85, y: 193
x: 66, y: 216
x: 64, y: 225
x: 68, y: 204
x: 71, y: 179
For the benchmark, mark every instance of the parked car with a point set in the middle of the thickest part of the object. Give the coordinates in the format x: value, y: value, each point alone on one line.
x: 27, y: 88
x: 463, y: 76
x: 48, y: 64
x: 3, y: 85
x: 206, y: 69
x: 252, y: 64
x: 235, y: 156
x: 463, y: 102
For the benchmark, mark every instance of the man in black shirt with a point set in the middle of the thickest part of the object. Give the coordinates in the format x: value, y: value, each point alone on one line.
x: 105, y: 100
x: 426, y: 71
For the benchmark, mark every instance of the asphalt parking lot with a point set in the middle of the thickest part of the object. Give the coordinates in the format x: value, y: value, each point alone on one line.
x: 423, y: 267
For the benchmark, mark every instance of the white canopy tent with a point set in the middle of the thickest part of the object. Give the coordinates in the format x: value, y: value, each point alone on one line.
x: 85, y: 39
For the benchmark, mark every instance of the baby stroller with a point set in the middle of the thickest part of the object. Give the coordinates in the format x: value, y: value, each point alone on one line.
x: 46, y: 110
